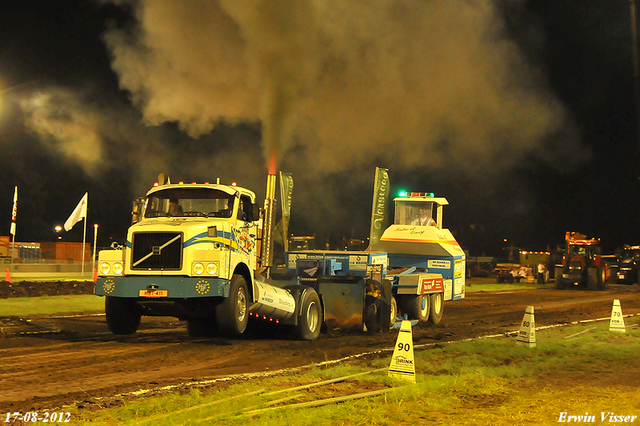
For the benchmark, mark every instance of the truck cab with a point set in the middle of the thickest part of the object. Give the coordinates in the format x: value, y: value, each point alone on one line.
x: 190, y: 253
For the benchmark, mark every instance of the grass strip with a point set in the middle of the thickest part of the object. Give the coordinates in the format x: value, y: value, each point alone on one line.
x: 48, y: 305
x: 199, y: 406
x: 326, y: 401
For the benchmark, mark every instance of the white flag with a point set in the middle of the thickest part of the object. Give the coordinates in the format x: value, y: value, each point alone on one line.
x: 79, y: 213
x: 14, y: 212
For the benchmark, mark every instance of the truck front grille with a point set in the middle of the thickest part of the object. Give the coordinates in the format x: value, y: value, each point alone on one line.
x: 157, y: 250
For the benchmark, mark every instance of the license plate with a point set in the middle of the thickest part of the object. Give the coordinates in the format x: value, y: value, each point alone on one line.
x: 153, y: 293
x: 621, y: 275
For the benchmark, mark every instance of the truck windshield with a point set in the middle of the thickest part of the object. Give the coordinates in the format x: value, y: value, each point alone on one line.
x: 416, y: 213
x: 186, y: 202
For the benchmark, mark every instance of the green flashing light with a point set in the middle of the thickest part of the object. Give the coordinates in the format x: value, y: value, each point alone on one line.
x: 406, y: 194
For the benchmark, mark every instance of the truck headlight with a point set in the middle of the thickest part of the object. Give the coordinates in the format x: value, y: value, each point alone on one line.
x: 212, y: 268
x: 105, y: 268
x: 118, y: 268
x: 198, y: 268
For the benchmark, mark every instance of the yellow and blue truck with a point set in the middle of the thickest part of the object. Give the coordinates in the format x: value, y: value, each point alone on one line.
x: 201, y: 252
x: 192, y: 253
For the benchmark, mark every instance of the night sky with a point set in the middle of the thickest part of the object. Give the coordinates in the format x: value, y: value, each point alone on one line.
x: 520, y: 113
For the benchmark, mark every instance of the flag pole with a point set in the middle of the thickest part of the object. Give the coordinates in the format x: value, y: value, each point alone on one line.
x: 14, y: 214
x: 84, y: 239
x: 95, y: 240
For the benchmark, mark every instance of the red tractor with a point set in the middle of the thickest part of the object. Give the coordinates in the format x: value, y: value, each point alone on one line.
x: 582, y: 263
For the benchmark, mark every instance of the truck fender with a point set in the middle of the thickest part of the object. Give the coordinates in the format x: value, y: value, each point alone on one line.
x: 297, y: 291
x: 243, y: 269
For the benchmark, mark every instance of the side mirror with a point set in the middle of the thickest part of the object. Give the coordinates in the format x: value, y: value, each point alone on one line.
x: 136, y: 211
x: 255, y: 213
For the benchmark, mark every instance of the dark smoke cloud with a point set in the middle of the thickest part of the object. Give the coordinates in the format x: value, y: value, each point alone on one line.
x: 433, y: 90
x: 424, y: 84
x: 425, y: 88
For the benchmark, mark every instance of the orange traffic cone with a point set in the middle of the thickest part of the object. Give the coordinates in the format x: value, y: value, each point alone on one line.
x: 8, y: 276
x: 95, y: 275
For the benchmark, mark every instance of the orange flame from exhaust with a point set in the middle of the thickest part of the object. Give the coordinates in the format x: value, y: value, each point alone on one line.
x: 272, y: 163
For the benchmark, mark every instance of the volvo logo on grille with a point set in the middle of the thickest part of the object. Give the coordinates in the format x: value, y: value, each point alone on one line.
x: 161, y: 252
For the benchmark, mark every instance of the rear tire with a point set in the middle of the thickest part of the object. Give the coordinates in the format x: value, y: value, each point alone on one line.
x: 310, y: 320
x: 602, y: 277
x: 232, y: 314
x: 561, y: 284
x: 123, y: 315
x: 592, y: 279
x: 436, y: 307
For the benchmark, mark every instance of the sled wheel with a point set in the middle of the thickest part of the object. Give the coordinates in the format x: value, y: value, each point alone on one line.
x: 436, y: 308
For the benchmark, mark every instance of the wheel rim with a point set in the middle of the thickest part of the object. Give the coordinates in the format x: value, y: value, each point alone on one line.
x: 393, y: 315
x: 241, y: 305
x: 424, y: 306
x: 313, y: 318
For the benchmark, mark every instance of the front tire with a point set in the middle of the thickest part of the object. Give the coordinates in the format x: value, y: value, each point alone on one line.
x: 561, y: 284
x: 123, y: 315
x: 310, y: 320
x: 436, y: 307
x: 232, y: 314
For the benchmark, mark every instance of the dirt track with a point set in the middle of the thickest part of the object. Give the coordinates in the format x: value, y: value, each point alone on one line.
x: 48, y: 362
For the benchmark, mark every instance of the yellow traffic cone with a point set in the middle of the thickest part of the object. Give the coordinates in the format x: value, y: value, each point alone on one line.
x: 527, y: 332
x: 617, y: 320
x: 402, y: 363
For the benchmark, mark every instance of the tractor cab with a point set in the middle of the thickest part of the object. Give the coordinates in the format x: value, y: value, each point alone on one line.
x: 419, y: 209
x: 582, y: 263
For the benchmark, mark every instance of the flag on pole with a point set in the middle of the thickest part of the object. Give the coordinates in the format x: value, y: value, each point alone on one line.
x: 286, y: 191
x: 14, y: 212
x: 379, y: 210
x: 79, y: 213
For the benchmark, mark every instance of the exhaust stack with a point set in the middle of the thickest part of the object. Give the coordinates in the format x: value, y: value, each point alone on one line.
x: 269, y: 215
